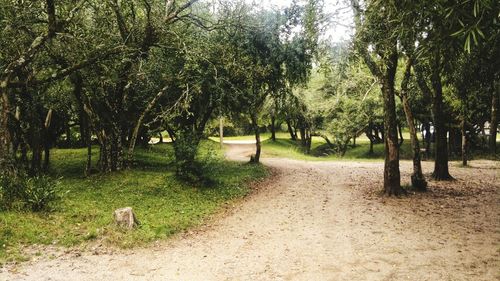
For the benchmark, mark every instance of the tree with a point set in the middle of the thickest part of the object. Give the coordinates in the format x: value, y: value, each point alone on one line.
x: 374, y: 34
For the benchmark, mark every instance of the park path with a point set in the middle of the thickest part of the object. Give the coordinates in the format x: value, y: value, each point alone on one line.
x: 314, y: 221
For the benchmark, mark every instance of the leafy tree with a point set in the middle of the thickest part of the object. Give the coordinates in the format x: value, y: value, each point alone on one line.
x: 375, y: 24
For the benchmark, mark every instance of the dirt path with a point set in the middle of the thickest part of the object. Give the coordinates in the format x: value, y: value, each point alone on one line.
x: 321, y: 221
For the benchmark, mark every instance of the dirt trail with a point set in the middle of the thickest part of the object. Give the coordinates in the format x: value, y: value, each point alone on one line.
x: 321, y: 221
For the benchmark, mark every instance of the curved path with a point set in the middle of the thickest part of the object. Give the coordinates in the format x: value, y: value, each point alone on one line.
x: 317, y: 221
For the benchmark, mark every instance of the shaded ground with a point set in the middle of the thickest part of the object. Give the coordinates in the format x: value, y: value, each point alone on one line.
x: 319, y: 221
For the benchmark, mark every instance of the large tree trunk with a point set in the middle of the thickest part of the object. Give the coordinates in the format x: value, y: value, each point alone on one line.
x: 256, y: 158
x: 494, y: 117
x: 111, y: 153
x: 392, y: 180
x: 441, y: 152
x: 7, y: 163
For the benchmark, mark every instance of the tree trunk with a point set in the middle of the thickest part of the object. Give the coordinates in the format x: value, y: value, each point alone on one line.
x: 36, y: 148
x: 68, y: 134
x: 302, y: 131
x: 256, y: 158
x: 464, y: 142
x: 308, y: 141
x: 427, y: 139
x: 273, y: 128
x: 400, y: 131
x: 370, y: 136
x: 46, y: 159
x: 392, y: 180
x: 494, y: 117
x: 88, y: 165
x: 328, y: 142
x: 343, y: 147
x: 7, y: 163
x: 83, y: 128
x: 171, y: 134
x: 290, y: 130
x: 417, y: 178
x: 138, y: 124
x: 221, y: 132
x: 441, y: 147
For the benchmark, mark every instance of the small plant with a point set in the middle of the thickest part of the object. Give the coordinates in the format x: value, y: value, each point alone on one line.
x: 39, y: 193
x: 31, y: 193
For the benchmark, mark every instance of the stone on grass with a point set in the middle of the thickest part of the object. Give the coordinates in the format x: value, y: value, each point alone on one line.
x: 125, y: 217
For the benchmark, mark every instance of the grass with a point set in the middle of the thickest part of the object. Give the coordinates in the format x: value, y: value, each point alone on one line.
x: 319, y: 150
x: 163, y: 205
x: 285, y: 147
x: 263, y: 137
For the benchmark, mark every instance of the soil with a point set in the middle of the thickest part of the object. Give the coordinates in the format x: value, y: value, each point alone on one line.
x: 318, y: 221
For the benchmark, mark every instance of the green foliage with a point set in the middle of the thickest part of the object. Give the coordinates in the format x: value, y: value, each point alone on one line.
x: 473, y: 22
x: 36, y: 194
x: 39, y: 193
x: 186, y: 148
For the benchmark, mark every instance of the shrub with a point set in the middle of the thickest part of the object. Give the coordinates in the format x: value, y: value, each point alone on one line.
x: 30, y: 193
x: 39, y: 193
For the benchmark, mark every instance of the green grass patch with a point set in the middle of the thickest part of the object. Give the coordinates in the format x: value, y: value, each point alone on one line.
x: 263, y: 137
x: 319, y: 150
x: 163, y: 204
x: 287, y: 148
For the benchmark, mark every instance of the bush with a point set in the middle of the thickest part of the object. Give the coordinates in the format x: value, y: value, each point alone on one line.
x: 39, y: 193
x: 30, y: 193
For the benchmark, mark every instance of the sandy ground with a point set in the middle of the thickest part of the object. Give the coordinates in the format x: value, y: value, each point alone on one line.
x: 319, y: 221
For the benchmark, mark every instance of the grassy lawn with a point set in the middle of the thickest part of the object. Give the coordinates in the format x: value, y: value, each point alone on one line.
x: 163, y: 205
x: 263, y: 137
x: 285, y: 147
x: 292, y: 149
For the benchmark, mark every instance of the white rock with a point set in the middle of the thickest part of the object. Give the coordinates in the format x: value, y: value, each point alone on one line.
x: 125, y: 217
